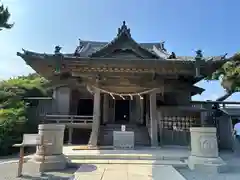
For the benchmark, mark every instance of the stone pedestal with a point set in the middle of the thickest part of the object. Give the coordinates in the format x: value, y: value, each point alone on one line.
x: 123, y: 139
x: 54, y: 158
x: 204, y: 150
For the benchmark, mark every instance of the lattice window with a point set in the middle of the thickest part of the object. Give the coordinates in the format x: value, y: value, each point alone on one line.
x: 178, y: 123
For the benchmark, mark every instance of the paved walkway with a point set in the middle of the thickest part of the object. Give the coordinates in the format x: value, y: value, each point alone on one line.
x: 135, y: 169
x: 94, y: 172
x: 127, y: 172
x: 115, y: 171
x: 8, y: 171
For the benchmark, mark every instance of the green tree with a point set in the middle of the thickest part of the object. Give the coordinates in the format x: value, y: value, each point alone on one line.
x: 15, y: 111
x: 229, y: 76
x: 4, y: 18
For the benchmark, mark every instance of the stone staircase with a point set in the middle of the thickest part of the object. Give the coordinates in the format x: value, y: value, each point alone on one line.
x: 141, y: 135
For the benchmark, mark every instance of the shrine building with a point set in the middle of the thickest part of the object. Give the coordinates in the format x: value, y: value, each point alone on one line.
x: 103, y: 85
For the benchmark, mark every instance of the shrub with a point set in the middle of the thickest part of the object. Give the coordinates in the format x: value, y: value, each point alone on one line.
x: 15, y: 112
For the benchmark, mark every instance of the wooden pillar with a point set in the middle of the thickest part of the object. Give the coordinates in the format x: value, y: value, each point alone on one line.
x: 96, y: 119
x: 20, y: 162
x: 132, y: 111
x: 70, y: 132
x: 105, y: 108
x: 153, y: 120
x: 147, y: 117
x: 160, y: 126
x: 141, y: 110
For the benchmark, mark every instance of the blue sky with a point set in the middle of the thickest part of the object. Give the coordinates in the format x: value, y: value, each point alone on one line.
x: 212, y: 25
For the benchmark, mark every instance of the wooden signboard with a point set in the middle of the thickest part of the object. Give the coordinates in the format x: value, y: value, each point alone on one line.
x: 30, y: 140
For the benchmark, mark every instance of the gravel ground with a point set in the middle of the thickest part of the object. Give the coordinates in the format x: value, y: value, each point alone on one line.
x: 30, y: 172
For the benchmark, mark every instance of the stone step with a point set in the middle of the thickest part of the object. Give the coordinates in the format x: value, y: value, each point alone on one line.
x: 119, y: 125
x: 120, y: 155
x: 174, y: 163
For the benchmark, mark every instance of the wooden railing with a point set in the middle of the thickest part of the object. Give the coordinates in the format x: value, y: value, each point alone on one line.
x: 68, y: 119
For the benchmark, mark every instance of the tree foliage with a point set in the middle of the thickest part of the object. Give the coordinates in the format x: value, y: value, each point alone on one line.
x: 14, y: 109
x: 4, y: 18
x: 229, y: 76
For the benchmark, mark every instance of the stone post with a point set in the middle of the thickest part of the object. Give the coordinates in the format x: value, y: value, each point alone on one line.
x: 204, y: 150
x: 153, y: 120
x: 54, y: 158
x: 96, y: 120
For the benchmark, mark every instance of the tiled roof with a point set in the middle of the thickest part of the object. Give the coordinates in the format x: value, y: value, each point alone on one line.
x: 90, y: 47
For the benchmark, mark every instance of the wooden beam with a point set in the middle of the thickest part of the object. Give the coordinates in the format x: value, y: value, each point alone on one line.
x: 158, y: 69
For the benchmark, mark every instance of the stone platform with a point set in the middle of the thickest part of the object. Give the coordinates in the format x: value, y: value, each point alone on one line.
x: 148, y: 153
x: 158, y: 156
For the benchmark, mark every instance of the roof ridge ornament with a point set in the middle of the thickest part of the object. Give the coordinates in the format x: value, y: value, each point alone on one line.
x: 124, y: 29
x: 172, y: 56
x: 224, y: 56
x: 162, y: 46
x: 199, y: 55
x: 58, y: 67
x: 57, y: 50
x: 198, y: 62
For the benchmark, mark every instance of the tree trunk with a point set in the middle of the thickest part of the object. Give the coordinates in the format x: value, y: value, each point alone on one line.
x: 225, y: 96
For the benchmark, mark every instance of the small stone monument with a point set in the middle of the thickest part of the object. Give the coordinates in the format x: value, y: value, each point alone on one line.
x: 204, y: 150
x: 123, y: 139
x: 123, y: 128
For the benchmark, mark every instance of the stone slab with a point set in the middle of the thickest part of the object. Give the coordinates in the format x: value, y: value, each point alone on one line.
x: 176, y: 164
x: 129, y: 172
x: 123, y: 139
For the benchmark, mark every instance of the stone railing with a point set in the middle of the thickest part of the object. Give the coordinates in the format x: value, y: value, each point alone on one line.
x: 68, y: 119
